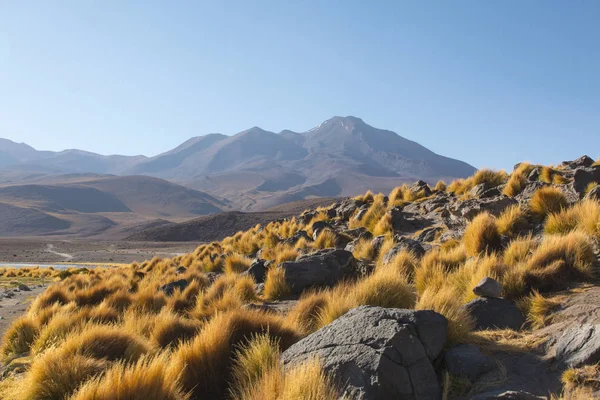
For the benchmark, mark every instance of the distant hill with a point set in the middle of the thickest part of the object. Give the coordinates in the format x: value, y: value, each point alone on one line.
x: 250, y: 171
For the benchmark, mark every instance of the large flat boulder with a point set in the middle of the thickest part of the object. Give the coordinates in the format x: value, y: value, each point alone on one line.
x: 579, y: 345
x: 322, y: 268
x: 378, y: 353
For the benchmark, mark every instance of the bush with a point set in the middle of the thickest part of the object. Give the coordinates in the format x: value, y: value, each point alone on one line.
x: 547, y: 200
x: 481, y: 235
x: 236, y: 263
x: 252, y: 361
x: 512, y: 221
x: 325, y: 240
x: 584, y: 216
x: 275, y: 284
x: 145, y: 380
x: 19, y: 337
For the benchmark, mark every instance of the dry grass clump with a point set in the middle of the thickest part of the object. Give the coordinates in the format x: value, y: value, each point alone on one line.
x: 581, y: 383
x: 56, y: 375
x: 447, y: 303
x: 364, y: 250
x: 481, y: 235
x: 552, y: 175
x: 170, y: 329
x: 537, y: 308
x: 19, y: 337
x: 276, y: 286
x: 204, y: 364
x: 237, y: 263
x: 488, y: 177
x: 365, y: 198
x: 252, y: 361
x: 583, y: 216
x: 146, y: 379
x: 306, y: 314
x: 325, y: 240
x: 519, y: 250
x: 518, y: 180
x: 304, y: 381
x: 440, y: 186
x: 512, y: 221
x: 547, y: 200
x: 288, y: 254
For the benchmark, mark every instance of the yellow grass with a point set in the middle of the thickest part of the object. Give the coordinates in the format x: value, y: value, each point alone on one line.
x: 236, y: 263
x: 481, y: 235
x: 275, y: 284
x: 547, y: 200
x: 512, y: 221
x: 325, y: 240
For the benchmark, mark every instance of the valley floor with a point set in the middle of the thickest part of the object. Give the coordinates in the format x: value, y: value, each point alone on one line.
x: 45, y: 250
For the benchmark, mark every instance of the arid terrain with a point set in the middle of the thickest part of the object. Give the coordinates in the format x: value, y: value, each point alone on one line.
x: 485, y: 288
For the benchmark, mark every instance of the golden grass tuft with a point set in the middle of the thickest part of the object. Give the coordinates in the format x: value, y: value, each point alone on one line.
x: 512, y: 221
x: 204, y: 364
x: 306, y: 314
x: 325, y: 240
x: 276, y: 286
x: 169, y: 329
x: 547, y: 200
x: 581, y: 383
x: 145, y: 380
x: 583, y: 216
x: 237, y: 263
x: 519, y: 250
x: 537, y: 308
x: 481, y: 235
x: 252, y: 361
x: 364, y: 250
x: 19, y: 337
x: 288, y: 254
x: 440, y: 186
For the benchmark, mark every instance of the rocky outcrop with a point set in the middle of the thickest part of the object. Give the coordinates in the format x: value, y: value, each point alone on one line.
x: 491, y: 313
x: 319, y: 269
x: 348, y: 207
x: 579, y: 345
x: 404, y: 244
x: 469, y: 209
x: 378, y: 353
x: 584, y: 176
x: 170, y: 288
x: 257, y: 271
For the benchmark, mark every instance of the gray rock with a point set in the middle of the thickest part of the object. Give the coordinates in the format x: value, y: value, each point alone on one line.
x: 579, y: 345
x: 406, y: 244
x: 408, y: 222
x: 348, y: 207
x: 534, y: 175
x: 297, y: 236
x: 361, y: 212
x: 24, y: 288
x: 593, y: 194
x: 466, y: 360
x: 508, y: 395
x: 170, y: 288
x: 307, y: 216
x: 421, y: 186
x: 584, y: 176
x: 488, y: 287
x: 490, y: 313
x: 583, y: 161
x: 358, y: 233
x: 428, y: 234
x: 478, y: 190
x: 470, y: 208
x: 319, y: 269
x: 259, y: 288
x: 257, y: 270
x: 318, y: 226
x: 181, y: 270
x: 378, y: 353
x: 377, y: 242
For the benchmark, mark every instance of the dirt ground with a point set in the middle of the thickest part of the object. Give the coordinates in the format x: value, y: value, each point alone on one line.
x: 12, y: 308
x: 36, y: 250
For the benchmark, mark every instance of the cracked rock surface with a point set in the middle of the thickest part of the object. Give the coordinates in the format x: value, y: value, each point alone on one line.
x: 378, y: 353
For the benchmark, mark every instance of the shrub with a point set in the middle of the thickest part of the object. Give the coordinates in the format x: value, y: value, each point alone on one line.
x: 288, y: 254
x: 518, y: 180
x: 547, y: 200
x: 364, y: 250
x: 512, y: 221
x: 276, y: 286
x: 252, y: 360
x: 145, y: 380
x: 306, y: 314
x: 440, y: 186
x: 54, y: 294
x: 449, y: 304
x: 584, y: 216
x: 481, y: 235
x: 519, y: 250
x: 489, y: 177
x: 169, y: 329
x: 204, y: 364
x: 56, y: 375
x: 19, y: 337
x: 325, y: 240
x: 236, y: 263
x: 537, y: 308
x: 304, y: 381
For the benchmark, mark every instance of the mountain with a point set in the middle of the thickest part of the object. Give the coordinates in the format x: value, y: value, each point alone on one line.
x: 256, y: 169
x: 86, y: 205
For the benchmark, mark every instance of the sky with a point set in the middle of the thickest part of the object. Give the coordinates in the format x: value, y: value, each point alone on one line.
x: 489, y: 82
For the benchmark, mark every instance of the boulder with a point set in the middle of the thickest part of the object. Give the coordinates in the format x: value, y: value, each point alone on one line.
x: 579, y: 345
x: 170, y: 288
x: 421, y: 186
x: 323, y: 268
x: 466, y: 360
x: 377, y: 242
x: 584, y: 176
x: 407, y: 222
x: 404, y: 244
x: 491, y: 313
x: 180, y: 270
x: 361, y: 212
x: 307, y: 216
x: 257, y: 270
x: 534, y: 175
x: 488, y: 287
x: 378, y: 353
x: 24, y: 288
x: 347, y: 208
x: 358, y: 233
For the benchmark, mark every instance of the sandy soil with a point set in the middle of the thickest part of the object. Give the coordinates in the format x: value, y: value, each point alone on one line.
x: 38, y: 250
x: 12, y: 308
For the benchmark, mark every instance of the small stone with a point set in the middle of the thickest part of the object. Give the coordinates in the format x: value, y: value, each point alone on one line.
x: 488, y: 287
x: 467, y: 361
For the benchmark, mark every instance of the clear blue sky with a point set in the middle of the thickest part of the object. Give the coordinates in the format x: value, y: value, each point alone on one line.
x: 488, y: 82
